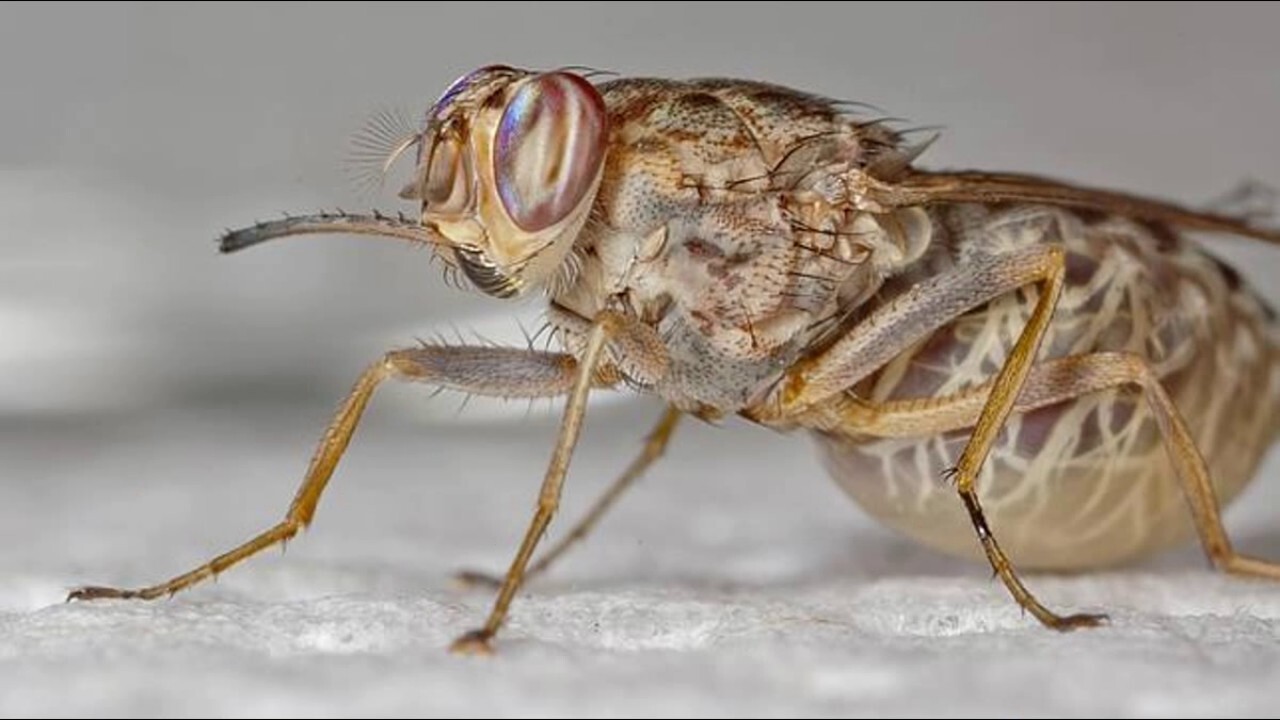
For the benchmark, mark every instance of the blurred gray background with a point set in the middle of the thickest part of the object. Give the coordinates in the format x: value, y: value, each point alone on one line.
x: 158, y: 401
x: 132, y: 134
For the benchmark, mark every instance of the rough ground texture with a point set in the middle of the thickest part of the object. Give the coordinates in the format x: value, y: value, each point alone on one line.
x: 734, y: 581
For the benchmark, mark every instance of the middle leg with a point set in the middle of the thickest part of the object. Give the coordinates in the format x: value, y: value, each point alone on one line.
x: 655, y: 445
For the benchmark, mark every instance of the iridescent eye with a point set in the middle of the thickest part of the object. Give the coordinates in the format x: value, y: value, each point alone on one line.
x: 447, y: 188
x: 550, y: 146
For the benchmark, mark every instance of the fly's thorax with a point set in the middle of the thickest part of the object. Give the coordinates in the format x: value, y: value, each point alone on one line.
x: 724, y: 221
x: 739, y: 291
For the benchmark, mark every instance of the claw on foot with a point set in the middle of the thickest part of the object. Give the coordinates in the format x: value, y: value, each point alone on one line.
x: 91, y: 592
x: 1075, y: 622
x: 473, y: 579
x: 475, y: 642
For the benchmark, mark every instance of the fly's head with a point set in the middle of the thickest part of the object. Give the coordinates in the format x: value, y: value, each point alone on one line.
x: 508, y: 165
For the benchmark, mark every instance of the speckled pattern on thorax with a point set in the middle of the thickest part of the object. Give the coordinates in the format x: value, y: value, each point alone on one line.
x: 714, y: 225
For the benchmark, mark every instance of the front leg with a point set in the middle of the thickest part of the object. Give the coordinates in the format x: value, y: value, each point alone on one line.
x: 608, y: 328
x: 912, y: 317
x: 499, y: 372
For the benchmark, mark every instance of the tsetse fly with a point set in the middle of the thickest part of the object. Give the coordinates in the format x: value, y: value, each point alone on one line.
x: 997, y: 365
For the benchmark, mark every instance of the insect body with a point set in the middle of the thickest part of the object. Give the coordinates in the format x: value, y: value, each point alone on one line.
x: 1001, y: 366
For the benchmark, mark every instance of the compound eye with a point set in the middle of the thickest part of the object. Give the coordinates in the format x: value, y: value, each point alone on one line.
x: 549, y: 149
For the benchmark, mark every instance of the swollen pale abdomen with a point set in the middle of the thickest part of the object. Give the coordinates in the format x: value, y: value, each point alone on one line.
x: 1088, y: 482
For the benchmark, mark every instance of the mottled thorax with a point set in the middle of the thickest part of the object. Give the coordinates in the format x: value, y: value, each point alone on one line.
x: 721, y: 220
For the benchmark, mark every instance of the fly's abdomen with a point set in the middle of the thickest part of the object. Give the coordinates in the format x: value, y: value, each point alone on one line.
x: 1088, y: 482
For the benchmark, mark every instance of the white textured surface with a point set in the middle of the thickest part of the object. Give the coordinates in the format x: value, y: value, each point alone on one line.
x: 734, y: 581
